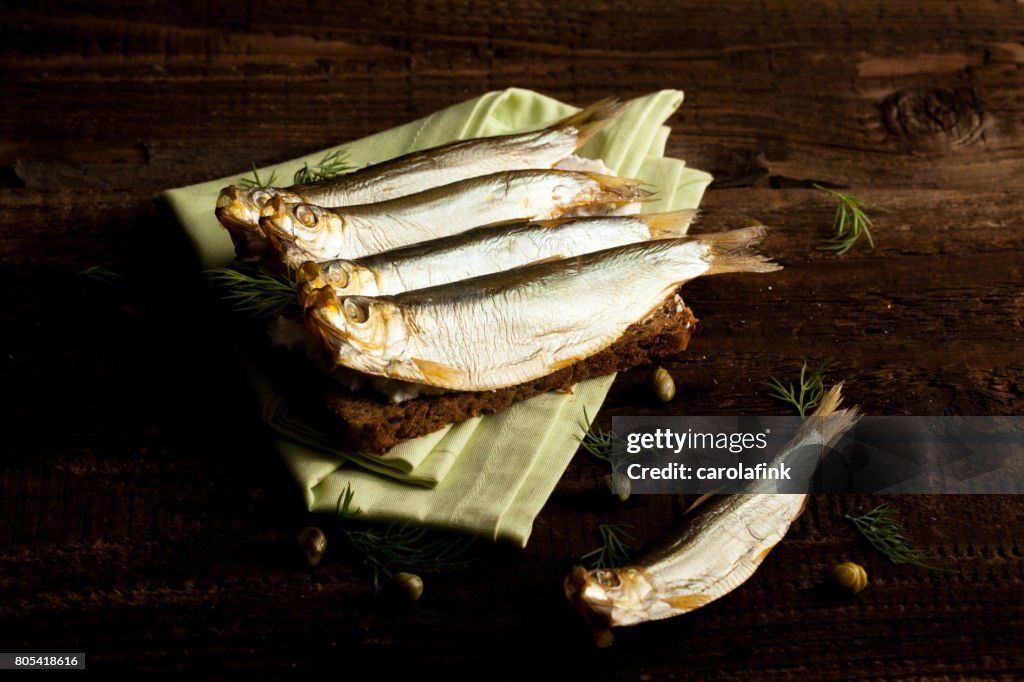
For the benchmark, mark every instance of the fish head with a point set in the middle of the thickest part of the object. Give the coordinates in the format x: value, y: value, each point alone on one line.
x: 364, y: 333
x: 308, y: 227
x: 610, y: 597
x: 239, y: 208
x: 345, y: 277
x: 374, y: 325
x: 236, y: 211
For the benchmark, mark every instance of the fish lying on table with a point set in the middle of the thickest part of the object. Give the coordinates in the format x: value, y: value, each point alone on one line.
x: 709, y: 556
x: 510, y: 327
x: 483, y: 251
x: 303, y: 232
x: 238, y: 208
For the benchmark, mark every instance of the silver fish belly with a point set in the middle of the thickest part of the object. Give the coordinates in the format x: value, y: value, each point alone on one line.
x: 510, y: 327
x: 483, y: 251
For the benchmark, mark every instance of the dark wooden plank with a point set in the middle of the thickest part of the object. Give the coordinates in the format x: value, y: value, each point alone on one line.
x: 143, y: 517
x: 831, y: 94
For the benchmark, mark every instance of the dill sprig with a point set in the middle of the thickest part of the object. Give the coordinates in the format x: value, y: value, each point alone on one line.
x: 102, y: 275
x: 399, y: 545
x: 256, y: 180
x: 806, y: 396
x: 600, y: 444
x: 880, y: 528
x: 595, y: 441
x: 256, y: 292
x: 333, y: 164
x: 849, y: 223
x: 614, y: 551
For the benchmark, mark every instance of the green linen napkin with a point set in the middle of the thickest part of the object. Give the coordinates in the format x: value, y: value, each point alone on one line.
x: 489, y: 475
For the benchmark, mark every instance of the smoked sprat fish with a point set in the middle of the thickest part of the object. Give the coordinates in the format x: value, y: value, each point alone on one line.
x: 238, y: 208
x: 720, y: 547
x: 483, y: 251
x: 303, y: 232
x: 510, y: 327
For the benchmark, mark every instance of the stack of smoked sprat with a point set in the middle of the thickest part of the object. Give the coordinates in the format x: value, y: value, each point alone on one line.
x: 458, y: 280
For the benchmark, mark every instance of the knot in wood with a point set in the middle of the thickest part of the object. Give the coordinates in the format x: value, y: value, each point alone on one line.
x: 933, y: 118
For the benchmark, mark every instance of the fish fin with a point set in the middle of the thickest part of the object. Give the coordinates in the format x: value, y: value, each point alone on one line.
x: 549, y: 259
x: 701, y: 500
x: 437, y: 374
x: 734, y: 240
x: 552, y: 223
x: 687, y: 602
x: 831, y: 421
x: 830, y: 403
x: 755, y: 263
x: 734, y: 251
x: 618, y: 190
x: 670, y: 224
x: 589, y: 121
x: 563, y: 363
x: 839, y: 421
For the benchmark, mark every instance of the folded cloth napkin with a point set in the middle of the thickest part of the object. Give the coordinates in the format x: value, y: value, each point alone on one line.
x: 489, y: 475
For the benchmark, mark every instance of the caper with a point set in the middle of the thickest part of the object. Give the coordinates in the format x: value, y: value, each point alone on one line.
x: 850, y: 576
x: 663, y: 384
x: 313, y: 543
x: 618, y: 484
x: 411, y: 584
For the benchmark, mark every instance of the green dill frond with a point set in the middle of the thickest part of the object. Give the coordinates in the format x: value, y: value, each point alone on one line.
x: 614, y: 550
x: 333, y: 164
x: 256, y: 292
x: 600, y: 445
x: 595, y: 441
x: 880, y: 528
x: 807, y: 395
x: 345, y: 509
x: 399, y: 546
x: 256, y: 180
x: 102, y: 275
x: 850, y: 222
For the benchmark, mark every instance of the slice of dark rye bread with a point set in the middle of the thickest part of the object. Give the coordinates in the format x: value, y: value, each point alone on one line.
x: 370, y: 424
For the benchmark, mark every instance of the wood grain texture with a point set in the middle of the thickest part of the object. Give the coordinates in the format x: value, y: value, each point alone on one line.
x: 144, y: 519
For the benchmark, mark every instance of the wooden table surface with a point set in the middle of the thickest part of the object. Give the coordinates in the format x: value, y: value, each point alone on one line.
x: 145, y: 520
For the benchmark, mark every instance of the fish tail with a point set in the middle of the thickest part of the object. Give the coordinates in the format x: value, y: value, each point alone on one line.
x: 734, y: 251
x: 830, y: 403
x: 839, y: 421
x: 670, y: 224
x: 589, y: 121
x: 618, y: 190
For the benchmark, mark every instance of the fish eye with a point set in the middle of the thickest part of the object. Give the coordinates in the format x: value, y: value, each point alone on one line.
x: 608, y: 579
x: 356, y: 312
x: 305, y: 215
x: 260, y: 197
x: 337, y: 275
